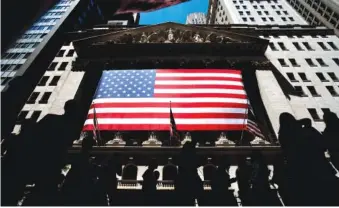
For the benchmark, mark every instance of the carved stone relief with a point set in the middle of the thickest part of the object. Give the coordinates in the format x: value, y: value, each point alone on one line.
x: 171, y: 35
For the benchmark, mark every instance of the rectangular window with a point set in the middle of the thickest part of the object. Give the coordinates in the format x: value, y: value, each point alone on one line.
x: 303, y: 77
x: 244, y: 19
x: 272, y: 46
x: 333, y: 76
x: 54, y: 81
x: 52, y: 66
x: 252, y: 19
x: 278, y: 12
x: 4, y: 80
x: 321, y: 62
x: 336, y: 60
x: 332, y: 91
x: 282, y: 62
x: 63, y: 66
x: 263, y: 19
x: 314, y: 114
x: 43, y: 81
x: 294, y: 62
x: 322, y: 45
x: 290, y: 75
x: 259, y: 12
x: 60, y: 53
x: 291, y: 19
x: 70, y: 53
x: 45, y: 97
x: 21, y: 117
x: 310, y: 62
x: 248, y: 12
x: 266, y: 12
x: 313, y: 92
x: 271, y: 19
x: 35, y: 116
x: 321, y: 77
x: 326, y: 110
x: 333, y: 46
x: 282, y: 46
x: 299, y: 90
x: 283, y: 19
x: 32, y: 98
x: 297, y: 46
x: 307, y: 45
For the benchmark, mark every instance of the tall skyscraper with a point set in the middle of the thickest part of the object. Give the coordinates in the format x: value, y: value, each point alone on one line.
x: 323, y: 12
x: 196, y: 18
x: 307, y: 59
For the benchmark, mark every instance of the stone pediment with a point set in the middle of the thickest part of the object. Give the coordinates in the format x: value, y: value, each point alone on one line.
x: 170, y: 33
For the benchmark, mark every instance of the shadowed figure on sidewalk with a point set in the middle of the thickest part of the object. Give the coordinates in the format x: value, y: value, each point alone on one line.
x: 308, y: 172
x: 331, y: 133
x: 188, y: 184
x: 149, y: 185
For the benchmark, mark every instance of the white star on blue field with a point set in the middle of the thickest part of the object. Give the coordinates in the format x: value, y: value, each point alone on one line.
x: 126, y: 84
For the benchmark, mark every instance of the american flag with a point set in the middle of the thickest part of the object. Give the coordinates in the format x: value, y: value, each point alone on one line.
x: 96, y: 131
x: 201, y: 99
x: 252, y: 125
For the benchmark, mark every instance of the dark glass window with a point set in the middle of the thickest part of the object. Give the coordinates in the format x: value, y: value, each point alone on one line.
x: 52, y: 66
x: 294, y: 63
x: 332, y: 91
x: 310, y: 62
x: 63, y: 66
x: 304, y: 77
x: 282, y: 46
x: 35, y: 115
x: 336, y: 60
x: 322, y: 45
x: 60, y: 53
x: 314, y: 114
x: 272, y: 46
x: 43, y: 81
x: 313, y: 92
x: 297, y: 46
x: 321, y: 62
x: 45, y: 97
x: 32, y: 98
x: 321, y: 77
x: 307, y: 45
x: 282, y: 62
x: 333, y: 76
x: 291, y: 76
x: 22, y: 116
x: 70, y: 53
x: 299, y: 90
x: 54, y: 81
x: 334, y: 47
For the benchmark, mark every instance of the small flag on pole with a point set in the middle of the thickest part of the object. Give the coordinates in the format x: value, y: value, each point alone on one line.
x: 96, y: 131
x: 173, y: 128
x: 252, y: 125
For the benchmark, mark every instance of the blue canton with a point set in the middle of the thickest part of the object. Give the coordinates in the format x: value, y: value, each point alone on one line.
x: 126, y: 84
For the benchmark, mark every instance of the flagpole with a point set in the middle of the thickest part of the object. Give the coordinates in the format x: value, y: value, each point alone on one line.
x: 170, y: 141
x: 246, y: 114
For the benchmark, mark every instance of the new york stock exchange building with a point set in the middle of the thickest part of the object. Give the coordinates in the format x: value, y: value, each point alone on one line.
x: 142, y: 92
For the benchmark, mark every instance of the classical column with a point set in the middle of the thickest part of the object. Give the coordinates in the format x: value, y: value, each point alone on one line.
x: 273, y: 97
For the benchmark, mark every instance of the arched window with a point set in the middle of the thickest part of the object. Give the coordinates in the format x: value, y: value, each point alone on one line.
x: 130, y: 172
x: 169, y: 172
x: 209, y: 171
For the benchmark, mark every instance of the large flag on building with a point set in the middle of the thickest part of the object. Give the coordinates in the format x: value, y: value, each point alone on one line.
x: 201, y: 99
x: 137, y: 6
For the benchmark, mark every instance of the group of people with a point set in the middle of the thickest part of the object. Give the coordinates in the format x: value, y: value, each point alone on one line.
x: 303, y: 174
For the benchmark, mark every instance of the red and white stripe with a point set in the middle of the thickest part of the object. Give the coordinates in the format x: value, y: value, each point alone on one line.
x: 201, y: 99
